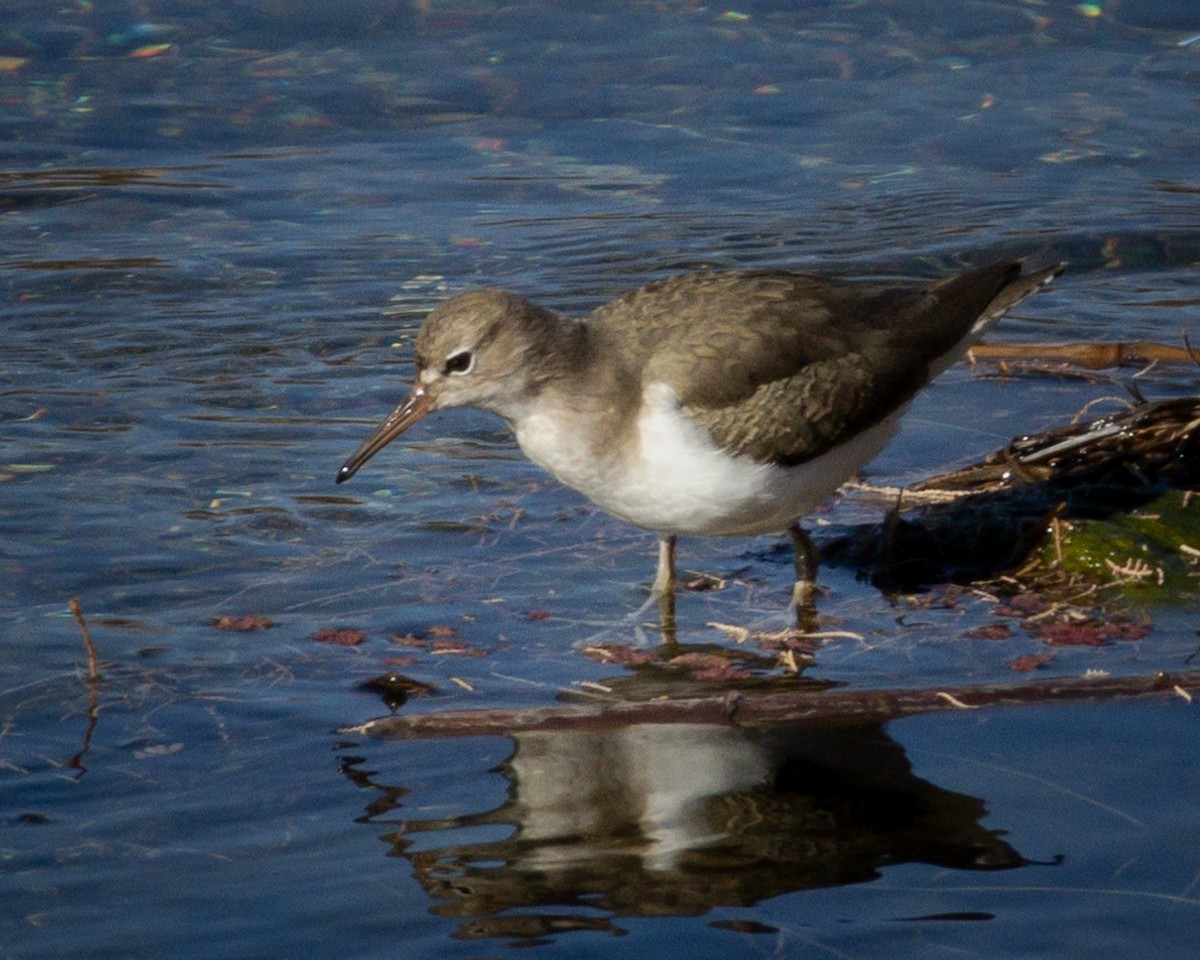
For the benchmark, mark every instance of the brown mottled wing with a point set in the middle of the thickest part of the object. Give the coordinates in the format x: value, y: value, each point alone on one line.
x: 783, y: 366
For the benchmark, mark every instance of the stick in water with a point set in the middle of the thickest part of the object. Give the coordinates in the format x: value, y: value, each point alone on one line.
x: 93, y: 666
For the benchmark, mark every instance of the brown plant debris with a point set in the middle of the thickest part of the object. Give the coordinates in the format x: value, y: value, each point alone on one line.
x: 704, y: 583
x: 409, y: 640
x: 1092, y: 356
x: 1087, y: 631
x: 456, y: 648
x: 622, y: 654
x: 1030, y: 661
x: 1148, y: 443
x: 245, y: 624
x: 1061, y: 503
x: 89, y: 645
x: 709, y: 667
x: 340, y: 636
x: 707, y: 664
x: 990, y: 631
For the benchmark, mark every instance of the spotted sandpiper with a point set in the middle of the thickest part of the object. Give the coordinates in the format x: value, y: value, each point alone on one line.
x: 710, y: 403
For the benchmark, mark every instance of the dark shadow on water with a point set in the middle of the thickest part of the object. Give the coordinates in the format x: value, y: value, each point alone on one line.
x: 34, y: 189
x: 678, y: 819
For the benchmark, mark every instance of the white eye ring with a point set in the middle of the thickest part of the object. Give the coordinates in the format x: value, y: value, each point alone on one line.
x: 459, y: 364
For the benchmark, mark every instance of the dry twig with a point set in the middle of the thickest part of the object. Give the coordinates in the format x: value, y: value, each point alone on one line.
x: 1093, y: 356
x: 88, y: 644
x: 828, y: 706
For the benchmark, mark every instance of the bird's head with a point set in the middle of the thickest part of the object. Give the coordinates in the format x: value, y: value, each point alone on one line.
x: 486, y: 349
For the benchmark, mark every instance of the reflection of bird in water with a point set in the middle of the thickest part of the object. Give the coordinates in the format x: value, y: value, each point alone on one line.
x: 675, y: 819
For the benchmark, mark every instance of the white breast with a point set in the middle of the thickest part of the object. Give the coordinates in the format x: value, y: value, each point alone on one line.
x: 671, y: 477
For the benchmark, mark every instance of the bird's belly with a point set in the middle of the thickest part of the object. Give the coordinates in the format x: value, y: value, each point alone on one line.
x: 700, y: 489
x: 675, y: 480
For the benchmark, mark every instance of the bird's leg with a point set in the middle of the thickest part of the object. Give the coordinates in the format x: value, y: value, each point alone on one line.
x: 664, y: 579
x: 804, y: 593
x: 664, y: 586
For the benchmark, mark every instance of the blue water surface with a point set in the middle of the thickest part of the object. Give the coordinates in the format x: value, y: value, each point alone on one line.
x: 223, y: 224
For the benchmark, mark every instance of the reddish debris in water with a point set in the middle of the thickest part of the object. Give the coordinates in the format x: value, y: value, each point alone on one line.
x: 456, y: 648
x: 696, y: 660
x: 1088, y: 632
x: 708, y: 666
x: 442, y: 632
x: 1129, y: 630
x: 242, y: 624
x: 991, y: 631
x: 409, y: 640
x: 944, y: 597
x: 1069, y: 633
x: 1024, y: 604
x: 798, y: 643
x: 619, y: 653
x: 539, y: 615
x: 340, y: 636
x: 722, y: 673
x: 1030, y: 661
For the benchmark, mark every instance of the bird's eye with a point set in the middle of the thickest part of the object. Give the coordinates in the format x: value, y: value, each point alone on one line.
x: 460, y: 362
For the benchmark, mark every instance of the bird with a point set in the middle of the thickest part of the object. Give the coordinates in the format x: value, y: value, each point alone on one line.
x: 718, y: 403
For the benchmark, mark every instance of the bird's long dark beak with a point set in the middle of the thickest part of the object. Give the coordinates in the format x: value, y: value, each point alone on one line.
x: 404, y: 416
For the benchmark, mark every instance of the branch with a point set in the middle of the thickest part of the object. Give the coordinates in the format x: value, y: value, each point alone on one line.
x: 804, y: 706
x: 88, y: 644
x: 1092, y: 356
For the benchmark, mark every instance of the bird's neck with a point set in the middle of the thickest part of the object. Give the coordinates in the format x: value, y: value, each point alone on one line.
x: 578, y: 404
